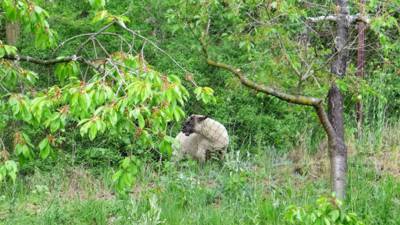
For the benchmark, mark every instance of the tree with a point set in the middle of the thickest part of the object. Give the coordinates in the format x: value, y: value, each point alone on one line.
x: 250, y: 18
x: 97, y: 90
x: 360, y: 64
x: 12, y: 33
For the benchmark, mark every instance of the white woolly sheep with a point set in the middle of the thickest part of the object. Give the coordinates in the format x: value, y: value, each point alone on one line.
x: 201, y: 136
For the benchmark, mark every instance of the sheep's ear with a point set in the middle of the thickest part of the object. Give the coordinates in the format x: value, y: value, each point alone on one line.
x: 202, y: 118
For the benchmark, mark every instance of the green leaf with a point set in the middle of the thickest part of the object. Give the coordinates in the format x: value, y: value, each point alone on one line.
x: 27, y: 139
x: 26, y: 152
x: 117, y: 175
x: 45, y: 152
x: 92, y: 132
x: 44, y: 143
x: 166, y: 147
x: 198, y: 91
x: 10, y: 50
x: 99, y: 16
x: 141, y: 121
x: 61, y: 72
x: 97, y: 3
x: 125, y: 163
x: 10, y: 168
x: 84, y: 129
x: 113, y: 117
x: 2, y: 52
x: 334, y: 215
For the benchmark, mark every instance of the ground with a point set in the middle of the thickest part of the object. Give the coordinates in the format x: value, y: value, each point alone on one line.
x: 247, y: 189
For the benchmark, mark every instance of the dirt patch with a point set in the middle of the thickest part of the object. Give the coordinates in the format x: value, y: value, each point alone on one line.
x: 387, y: 162
x: 81, y: 185
x: 313, y: 167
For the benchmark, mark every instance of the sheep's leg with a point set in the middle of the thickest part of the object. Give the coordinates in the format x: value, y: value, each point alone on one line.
x: 222, y: 155
x: 177, y: 156
x: 201, y: 155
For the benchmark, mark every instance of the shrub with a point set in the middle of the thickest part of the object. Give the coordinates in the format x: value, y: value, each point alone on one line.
x: 326, y: 211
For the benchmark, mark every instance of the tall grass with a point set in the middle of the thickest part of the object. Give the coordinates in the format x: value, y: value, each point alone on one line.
x: 246, y: 189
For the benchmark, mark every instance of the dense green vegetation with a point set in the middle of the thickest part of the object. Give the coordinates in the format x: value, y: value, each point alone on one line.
x: 87, y: 140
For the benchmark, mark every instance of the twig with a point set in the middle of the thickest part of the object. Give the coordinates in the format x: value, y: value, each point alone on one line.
x: 153, y: 44
x: 79, y: 49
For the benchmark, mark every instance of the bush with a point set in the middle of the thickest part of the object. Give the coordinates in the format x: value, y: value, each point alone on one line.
x: 326, y: 211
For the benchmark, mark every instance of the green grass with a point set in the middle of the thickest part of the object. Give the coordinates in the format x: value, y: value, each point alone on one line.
x: 254, y: 189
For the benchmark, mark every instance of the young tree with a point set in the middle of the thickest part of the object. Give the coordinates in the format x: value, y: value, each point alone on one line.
x: 271, y: 36
x: 98, y: 90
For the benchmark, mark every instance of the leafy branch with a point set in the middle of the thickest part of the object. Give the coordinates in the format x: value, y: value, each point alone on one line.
x: 290, y: 98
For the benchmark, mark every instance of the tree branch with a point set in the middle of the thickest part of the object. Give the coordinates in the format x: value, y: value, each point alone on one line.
x: 42, y: 61
x: 334, y: 18
x: 295, y: 99
x: 79, y: 49
x: 22, y: 58
x: 134, y: 33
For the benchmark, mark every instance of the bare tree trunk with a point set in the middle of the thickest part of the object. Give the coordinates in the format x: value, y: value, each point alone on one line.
x: 360, y: 65
x: 12, y: 33
x: 338, y: 152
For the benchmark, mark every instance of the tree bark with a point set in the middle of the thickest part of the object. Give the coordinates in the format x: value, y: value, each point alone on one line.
x: 360, y: 65
x: 338, y: 153
x: 12, y: 33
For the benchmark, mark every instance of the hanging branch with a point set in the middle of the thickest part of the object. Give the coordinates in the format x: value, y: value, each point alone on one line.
x: 295, y: 99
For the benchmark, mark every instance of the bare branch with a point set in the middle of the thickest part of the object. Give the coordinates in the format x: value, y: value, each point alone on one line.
x: 42, y: 61
x: 153, y: 44
x: 322, y: 18
x: 79, y: 49
x: 46, y: 62
x: 334, y: 18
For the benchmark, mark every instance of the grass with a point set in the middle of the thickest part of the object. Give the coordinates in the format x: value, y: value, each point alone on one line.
x: 246, y: 189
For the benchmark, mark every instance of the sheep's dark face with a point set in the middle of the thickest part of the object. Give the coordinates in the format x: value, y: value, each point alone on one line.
x: 190, y: 124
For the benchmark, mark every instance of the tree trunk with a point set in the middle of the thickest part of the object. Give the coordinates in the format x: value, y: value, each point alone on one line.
x: 12, y: 33
x: 338, y: 152
x: 360, y: 65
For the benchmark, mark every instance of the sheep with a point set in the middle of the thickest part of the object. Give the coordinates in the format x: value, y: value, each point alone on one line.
x: 199, y: 137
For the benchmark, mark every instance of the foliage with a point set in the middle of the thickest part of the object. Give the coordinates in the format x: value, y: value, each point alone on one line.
x: 327, y: 211
x: 122, y: 95
x: 125, y: 99
x: 125, y: 176
x: 34, y: 19
x: 8, y: 169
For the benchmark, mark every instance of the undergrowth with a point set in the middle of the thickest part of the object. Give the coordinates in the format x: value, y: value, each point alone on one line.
x: 256, y: 188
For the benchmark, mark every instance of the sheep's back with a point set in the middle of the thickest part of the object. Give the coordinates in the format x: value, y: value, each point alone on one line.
x: 187, y: 143
x: 216, y: 133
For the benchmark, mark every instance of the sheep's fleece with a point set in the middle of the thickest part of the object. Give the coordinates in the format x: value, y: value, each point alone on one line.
x: 200, y: 136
